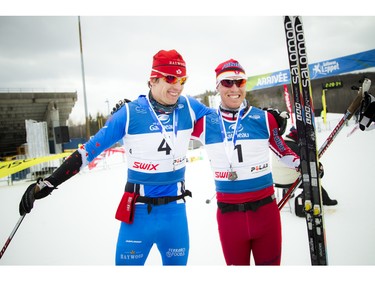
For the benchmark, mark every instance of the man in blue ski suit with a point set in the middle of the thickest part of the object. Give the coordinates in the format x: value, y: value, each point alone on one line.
x: 155, y: 130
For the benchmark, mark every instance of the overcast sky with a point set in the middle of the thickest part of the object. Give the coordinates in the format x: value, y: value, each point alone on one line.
x: 41, y: 52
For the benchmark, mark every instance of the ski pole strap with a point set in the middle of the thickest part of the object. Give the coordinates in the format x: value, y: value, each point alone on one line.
x: 253, y: 206
x: 161, y: 200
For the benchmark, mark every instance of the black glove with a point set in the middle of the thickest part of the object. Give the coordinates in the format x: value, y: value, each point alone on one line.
x: 119, y: 105
x: 37, y: 190
x: 367, y: 111
x: 281, y: 118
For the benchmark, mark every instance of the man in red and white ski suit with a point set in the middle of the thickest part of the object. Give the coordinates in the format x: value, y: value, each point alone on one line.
x: 237, y: 139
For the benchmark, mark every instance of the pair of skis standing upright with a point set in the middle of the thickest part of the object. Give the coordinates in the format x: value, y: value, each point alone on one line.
x: 309, y: 155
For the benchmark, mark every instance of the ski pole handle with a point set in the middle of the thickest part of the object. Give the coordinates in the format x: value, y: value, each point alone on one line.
x: 355, y: 104
x: 366, y: 85
x: 353, y: 107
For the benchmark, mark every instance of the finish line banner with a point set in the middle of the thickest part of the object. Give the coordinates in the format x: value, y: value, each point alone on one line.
x: 317, y: 70
x: 10, y: 167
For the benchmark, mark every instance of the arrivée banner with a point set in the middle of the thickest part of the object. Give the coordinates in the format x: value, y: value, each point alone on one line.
x: 317, y: 70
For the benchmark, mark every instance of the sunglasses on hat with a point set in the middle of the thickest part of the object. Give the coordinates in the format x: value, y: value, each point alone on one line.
x: 228, y: 83
x: 170, y: 79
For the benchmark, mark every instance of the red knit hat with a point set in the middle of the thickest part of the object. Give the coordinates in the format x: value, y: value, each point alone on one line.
x: 168, y: 63
x: 229, y: 69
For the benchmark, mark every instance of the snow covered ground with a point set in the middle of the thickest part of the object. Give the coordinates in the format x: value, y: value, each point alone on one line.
x: 76, y: 225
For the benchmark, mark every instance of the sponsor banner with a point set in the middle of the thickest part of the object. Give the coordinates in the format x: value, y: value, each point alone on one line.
x: 10, y: 167
x: 268, y: 80
x: 318, y: 70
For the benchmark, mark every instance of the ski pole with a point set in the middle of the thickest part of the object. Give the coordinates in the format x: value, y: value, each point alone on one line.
x: 353, y: 107
x: 289, y: 193
x: 39, y: 186
x: 11, y: 235
x: 208, y: 201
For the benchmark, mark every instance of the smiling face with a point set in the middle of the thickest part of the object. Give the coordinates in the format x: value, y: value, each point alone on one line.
x: 231, y: 83
x: 168, y: 75
x: 232, y: 97
x: 165, y: 93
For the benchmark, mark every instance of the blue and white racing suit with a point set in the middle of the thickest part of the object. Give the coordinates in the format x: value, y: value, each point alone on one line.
x: 155, y: 147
